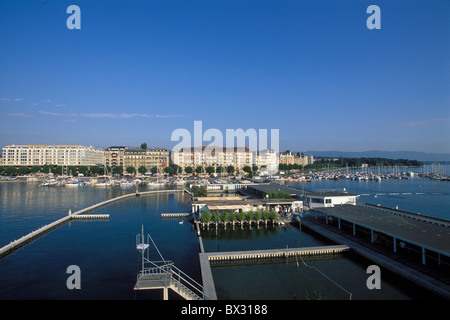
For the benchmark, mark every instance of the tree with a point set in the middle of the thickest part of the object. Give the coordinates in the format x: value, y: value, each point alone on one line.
x: 168, y: 170
x: 241, y: 216
x: 35, y: 169
x: 154, y: 170
x: 95, y: 169
x: 130, y: 169
x: 142, y: 169
x: 247, y: 169
x: 199, y: 169
x: 215, y: 216
x: 199, y: 191
x: 11, y: 170
x: 265, y: 215
x: 118, y: 170
x: 219, y: 169
x: 188, y: 170
x: 2, y: 169
x: 205, y: 217
x: 210, y: 169
x: 225, y: 216
x: 24, y: 170
x: 273, y: 215
x: 71, y: 169
x: 177, y: 169
x: 232, y: 216
x: 58, y: 170
x: 144, y: 146
x: 230, y: 169
x: 81, y: 169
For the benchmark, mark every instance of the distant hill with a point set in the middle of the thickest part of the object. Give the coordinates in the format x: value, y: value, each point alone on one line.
x: 411, y: 155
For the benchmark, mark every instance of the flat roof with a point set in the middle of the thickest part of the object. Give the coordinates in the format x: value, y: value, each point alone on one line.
x: 431, y: 236
x: 294, y: 191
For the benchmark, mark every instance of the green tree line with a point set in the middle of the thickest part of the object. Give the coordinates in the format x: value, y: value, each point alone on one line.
x: 208, y: 216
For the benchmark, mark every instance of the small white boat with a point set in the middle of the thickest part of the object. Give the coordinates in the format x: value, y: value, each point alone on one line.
x: 127, y: 184
x: 103, y: 184
x: 178, y: 183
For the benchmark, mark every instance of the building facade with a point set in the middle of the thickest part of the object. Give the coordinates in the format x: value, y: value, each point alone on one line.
x: 58, y: 155
x: 115, y: 156
x: 206, y: 156
x: 147, y: 158
x: 267, y: 161
x: 158, y: 158
x: 287, y: 157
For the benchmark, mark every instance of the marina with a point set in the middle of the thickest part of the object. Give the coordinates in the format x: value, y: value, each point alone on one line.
x: 199, y: 253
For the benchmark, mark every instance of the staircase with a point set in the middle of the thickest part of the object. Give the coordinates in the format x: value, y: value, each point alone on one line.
x: 163, y: 274
x: 169, y: 276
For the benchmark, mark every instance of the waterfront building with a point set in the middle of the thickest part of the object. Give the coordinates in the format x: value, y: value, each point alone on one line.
x: 287, y: 157
x: 312, y: 199
x: 240, y: 204
x: 267, y: 161
x: 58, y: 155
x: 158, y: 158
x: 147, y: 158
x: 115, y: 156
x: 135, y: 158
x: 206, y: 156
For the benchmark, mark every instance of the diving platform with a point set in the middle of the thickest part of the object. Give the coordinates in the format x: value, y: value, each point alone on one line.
x: 164, y: 274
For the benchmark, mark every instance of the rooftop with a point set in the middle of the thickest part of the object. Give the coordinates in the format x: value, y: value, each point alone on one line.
x: 424, y: 234
x: 267, y: 188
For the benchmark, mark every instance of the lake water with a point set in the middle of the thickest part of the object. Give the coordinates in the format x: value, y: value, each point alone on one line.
x: 109, y: 262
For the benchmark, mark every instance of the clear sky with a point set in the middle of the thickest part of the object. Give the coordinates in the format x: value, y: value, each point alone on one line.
x: 138, y: 70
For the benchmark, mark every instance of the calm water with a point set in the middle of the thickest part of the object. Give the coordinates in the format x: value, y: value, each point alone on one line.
x: 106, y: 254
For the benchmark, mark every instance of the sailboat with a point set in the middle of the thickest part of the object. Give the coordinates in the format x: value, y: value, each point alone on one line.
x: 106, y: 182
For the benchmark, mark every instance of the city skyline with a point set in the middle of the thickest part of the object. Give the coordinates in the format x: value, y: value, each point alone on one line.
x: 135, y: 72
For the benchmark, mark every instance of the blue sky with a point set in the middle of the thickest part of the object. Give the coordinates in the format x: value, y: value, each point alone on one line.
x: 138, y: 70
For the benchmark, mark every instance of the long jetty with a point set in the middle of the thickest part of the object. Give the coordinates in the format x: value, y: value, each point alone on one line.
x: 18, y: 243
x: 276, y: 253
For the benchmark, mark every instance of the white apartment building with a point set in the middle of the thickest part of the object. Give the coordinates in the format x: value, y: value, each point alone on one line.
x: 213, y: 156
x: 267, y: 159
x: 59, y: 155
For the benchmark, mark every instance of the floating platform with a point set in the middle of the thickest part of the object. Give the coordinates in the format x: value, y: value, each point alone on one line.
x: 90, y: 216
x: 174, y: 215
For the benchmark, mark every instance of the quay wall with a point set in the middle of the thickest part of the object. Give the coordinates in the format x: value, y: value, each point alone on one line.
x: 16, y: 244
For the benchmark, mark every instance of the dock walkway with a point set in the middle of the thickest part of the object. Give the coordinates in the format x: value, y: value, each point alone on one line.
x: 276, y: 253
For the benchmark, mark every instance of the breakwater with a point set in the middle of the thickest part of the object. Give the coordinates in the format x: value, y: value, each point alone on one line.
x: 18, y: 243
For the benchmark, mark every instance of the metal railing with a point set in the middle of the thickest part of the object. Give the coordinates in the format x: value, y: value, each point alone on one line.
x: 172, y: 276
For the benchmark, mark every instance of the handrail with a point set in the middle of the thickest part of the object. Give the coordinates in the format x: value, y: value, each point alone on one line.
x: 189, y: 281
